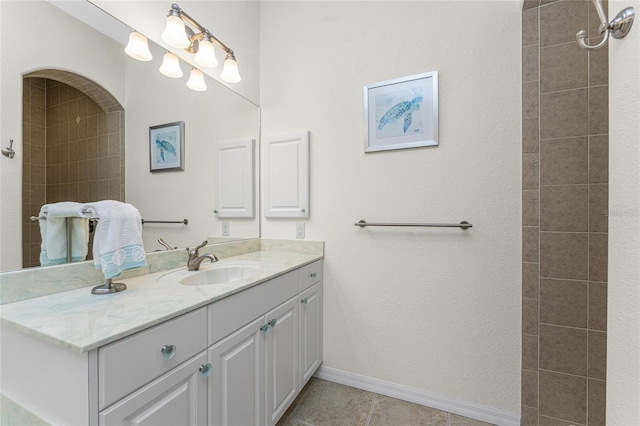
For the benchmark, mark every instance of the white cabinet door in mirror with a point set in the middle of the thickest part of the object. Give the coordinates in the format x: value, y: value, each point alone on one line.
x: 286, y: 179
x: 234, y: 179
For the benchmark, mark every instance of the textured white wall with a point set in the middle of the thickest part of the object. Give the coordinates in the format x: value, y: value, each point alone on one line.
x: 623, y: 328
x: 437, y: 310
x: 63, y: 45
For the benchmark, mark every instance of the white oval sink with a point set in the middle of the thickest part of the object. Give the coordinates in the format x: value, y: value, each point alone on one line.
x: 222, y: 274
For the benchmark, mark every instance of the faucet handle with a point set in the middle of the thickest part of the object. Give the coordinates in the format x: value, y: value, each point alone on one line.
x: 194, y: 251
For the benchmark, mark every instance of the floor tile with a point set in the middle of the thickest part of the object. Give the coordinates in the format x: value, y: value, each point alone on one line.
x: 391, y: 411
x: 328, y: 403
x: 299, y: 398
x: 456, y: 420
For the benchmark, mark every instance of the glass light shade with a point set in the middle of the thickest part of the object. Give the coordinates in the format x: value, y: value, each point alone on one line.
x: 206, y: 55
x: 174, y: 33
x: 138, y: 47
x: 171, y: 66
x: 230, y: 71
x: 196, y: 81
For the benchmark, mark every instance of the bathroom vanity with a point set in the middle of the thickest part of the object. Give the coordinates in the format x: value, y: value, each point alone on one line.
x: 171, y: 349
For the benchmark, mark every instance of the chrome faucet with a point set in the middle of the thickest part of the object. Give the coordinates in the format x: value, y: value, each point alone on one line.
x: 194, y: 261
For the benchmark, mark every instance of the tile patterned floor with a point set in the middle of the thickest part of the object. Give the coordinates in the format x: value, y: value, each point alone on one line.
x: 323, y: 403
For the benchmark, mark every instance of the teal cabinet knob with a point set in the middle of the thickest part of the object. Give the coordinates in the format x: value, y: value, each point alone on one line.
x: 313, y: 275
x: 265, y: 328
x: 273, y: 322
x: 169, y: 351
x: 305, y: 300
x: 205, y: 369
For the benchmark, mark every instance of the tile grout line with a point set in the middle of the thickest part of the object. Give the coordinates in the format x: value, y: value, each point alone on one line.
x: 373, y: 404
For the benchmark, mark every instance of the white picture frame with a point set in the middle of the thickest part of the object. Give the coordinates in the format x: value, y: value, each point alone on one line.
x: 401, y: 113
x: 166, y: 147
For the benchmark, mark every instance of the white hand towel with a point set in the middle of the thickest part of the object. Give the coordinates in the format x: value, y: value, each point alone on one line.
x: 53, y: 230
x: 117, y: 243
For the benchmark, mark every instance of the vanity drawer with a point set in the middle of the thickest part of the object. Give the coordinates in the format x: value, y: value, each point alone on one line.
x: 233, y: 312
x: 310, y: 274
x: 129, y: 363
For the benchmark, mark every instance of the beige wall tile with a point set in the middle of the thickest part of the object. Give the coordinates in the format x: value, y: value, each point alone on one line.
x: 529, y: 416
x: 599, y: 110
x: 530, y: 27
x: 563, y: 396
x: 564, y: 208
x: 563, y: 302
x: 597, y: 355
x: 530, y: 208
x: 530, y: 352
x: 530, y: 280
x: 598, y: 207
x: 530, y: 100
x: 564, y: 114
x: 529, y: 388
x: 564, y: 161
x: 598, y: 255
x: 598, y: 64
x: 560, y: 21
x: 530, y: 317
x: 599, y: 159
x: 530, y: 63
x: 598, y: 306
x: 562, y: 67
x: 597, y: 402
x: 530, y: 135
x: 564, y: 255
x: 530, y: 243
x: 563, y: 349
x: 530, y: 173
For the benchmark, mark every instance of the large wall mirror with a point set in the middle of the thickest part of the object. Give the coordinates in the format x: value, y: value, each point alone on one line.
x: 79, y: 111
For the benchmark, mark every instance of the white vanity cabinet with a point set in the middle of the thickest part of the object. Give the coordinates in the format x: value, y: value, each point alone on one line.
x: 240, y: 360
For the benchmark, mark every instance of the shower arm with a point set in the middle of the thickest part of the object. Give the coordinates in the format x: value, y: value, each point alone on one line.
x: 617, y: 28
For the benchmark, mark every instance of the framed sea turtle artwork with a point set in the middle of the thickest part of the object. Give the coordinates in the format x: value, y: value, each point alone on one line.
x: 401, y: 113
x: 166, y: 147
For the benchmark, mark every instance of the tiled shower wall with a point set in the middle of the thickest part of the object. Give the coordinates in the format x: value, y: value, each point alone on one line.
x: 76, y: 153
x: 564, y: 202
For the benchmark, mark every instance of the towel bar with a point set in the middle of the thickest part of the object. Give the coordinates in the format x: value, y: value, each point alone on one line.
x: 464, y: 224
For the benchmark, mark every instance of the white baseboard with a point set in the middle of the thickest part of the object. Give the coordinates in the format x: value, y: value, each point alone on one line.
x: 464, y: 408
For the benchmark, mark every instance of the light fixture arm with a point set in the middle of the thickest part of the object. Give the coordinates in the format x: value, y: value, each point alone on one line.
x: 202, y: 31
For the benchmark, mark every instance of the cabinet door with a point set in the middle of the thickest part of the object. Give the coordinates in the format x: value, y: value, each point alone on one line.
x: 177, y: 398
x: 236, y: 392
x: 286, y: 176
x: 310, y: 332
x: 281, y: 359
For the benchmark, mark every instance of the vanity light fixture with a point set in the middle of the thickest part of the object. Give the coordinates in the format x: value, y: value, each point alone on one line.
x: 177, y: 34
x: 171, y: 66
x: 138, y: 47
x: 196, y: 81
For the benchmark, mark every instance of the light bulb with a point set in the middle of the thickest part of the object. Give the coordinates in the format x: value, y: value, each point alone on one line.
x: 171, y: 66
x: 174, y: 33
x: 230, y: 71
x: 206, y: 55
x: 138, y: 47
x: 196, y: 81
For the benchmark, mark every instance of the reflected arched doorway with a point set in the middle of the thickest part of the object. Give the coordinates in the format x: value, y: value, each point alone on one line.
x: 73, y: 137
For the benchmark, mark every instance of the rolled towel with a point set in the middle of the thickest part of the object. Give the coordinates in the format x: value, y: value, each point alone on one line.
x: 117, y: 243
x: 53, y: 230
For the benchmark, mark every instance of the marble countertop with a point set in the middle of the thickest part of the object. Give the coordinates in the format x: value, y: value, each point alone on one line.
x: 80, y: 321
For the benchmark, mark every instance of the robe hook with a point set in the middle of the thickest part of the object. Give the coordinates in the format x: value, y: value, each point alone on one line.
x: 618, y: 27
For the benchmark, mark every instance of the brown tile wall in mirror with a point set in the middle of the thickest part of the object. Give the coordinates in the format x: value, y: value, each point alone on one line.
x: 74, y: 151
x: 564, y: 202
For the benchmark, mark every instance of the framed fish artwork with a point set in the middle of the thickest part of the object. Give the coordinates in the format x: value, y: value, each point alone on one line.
x: 401, y: 113
x: 166, y: 147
